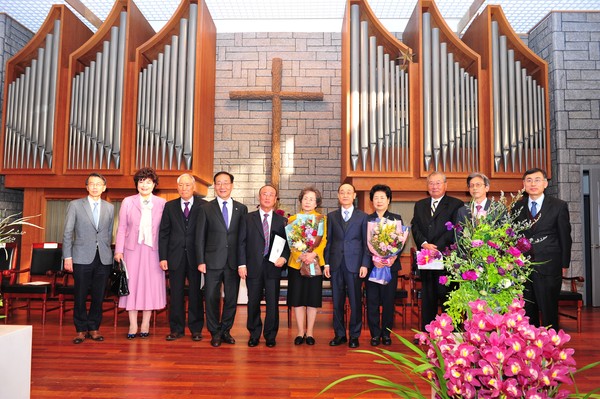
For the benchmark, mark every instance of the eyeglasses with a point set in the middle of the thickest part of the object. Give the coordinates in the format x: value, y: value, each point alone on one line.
x: 476, y: 185
x: 536, y: 181
x: 95, y: 184
x: 222, y: 184
x: 435, y: 183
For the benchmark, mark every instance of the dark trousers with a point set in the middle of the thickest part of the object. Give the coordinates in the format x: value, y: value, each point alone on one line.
x: 344, y: 282
x: 384, y: 296
x: 89, y: 279
x: 432, y: 294
x: 541, y: 295
x: 217, y: 322
x: 195, y: 315
x: 256, y: 288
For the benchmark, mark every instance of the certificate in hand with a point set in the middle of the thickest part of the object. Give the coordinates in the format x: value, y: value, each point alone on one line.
x: 276, y: 248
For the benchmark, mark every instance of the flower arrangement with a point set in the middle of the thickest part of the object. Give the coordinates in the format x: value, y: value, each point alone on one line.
x: 496, y: 356
x: 430, y: 259
x: 385, y: 239
x: 488, y: 260
x: 305, y: 232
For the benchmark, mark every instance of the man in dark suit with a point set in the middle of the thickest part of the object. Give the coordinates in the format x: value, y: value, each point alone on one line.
x: 478, y: 185
x: 216, y: 251
x: 551, y: 247
x: 87, y: 254
x: 430, y: 232
x: 177, y: 252
x: 257, y: 231
x: 346, y: 260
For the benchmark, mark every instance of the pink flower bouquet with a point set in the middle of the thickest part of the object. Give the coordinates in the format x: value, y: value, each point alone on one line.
x: 385, y: 239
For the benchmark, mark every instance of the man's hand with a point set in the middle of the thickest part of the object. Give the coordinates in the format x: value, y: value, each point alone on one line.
x: 68, y: 264
x: 280, y: 262
x: 430, y: 247
x: 362, y: 273
x: 327, y: 271
x: 202, y: 267
x: 164, y: 265
x: 243, y: 272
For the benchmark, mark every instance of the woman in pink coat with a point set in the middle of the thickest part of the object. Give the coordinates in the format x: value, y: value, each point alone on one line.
x: 137, y: 246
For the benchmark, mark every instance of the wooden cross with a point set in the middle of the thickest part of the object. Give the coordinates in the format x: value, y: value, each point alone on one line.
x: 276, y: 96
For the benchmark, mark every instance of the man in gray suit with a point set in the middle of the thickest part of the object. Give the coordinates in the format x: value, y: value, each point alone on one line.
x: 87, y: 254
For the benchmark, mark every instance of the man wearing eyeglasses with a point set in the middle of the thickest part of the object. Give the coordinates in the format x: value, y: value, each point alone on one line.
x: 430, y: 232
x: 550, y: 236
x: 478, y: 185
x: 87, y: 254
x: 216, y: 251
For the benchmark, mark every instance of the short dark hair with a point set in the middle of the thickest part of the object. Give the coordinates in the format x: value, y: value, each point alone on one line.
x: 311, y: 189
x: 222, y: 173
x: 145, y: 173
x: 380, y: 187
x: 95, y: 174
x: 535, y: 170
x: 483, y: 177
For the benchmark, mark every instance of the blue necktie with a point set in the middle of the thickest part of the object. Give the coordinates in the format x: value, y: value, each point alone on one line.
x: 534, y: 209
x: 346, y: 216
x: 266, y: 233
x: 96, y: 214
x: 226, y: 214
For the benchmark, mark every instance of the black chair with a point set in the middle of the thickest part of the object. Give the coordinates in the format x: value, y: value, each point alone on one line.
x: 45, y: 268
x: 8, y: 261
x: 571, y: 300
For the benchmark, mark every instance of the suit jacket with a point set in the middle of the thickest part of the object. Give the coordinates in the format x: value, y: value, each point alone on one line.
x: 252, y: 243
x: 466, y: 211
x: 391, y: 216
x: 129, y: 222
x: 433, y: 228
x: 550, y: 234
x: 81, y: 237
x: 175, y: 239
x: 215, y: 244
x: 349, y: 244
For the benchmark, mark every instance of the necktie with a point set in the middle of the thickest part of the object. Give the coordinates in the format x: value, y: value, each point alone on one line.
x: 534, y: 209
x: 346, y: 216
x: 96, y: 214
x: 433, y: 207
x: 266, y: 233
x: 225, y: 214
x: 477, y: 209
x: 186, y: 210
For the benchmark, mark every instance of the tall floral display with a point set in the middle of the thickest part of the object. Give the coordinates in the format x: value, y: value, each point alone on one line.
x: 483, y: 346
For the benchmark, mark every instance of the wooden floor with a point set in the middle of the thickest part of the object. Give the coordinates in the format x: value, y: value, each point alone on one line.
x: 154, y: 368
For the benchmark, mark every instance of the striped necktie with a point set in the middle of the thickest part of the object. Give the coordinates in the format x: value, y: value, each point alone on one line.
x: 434, y: 205
x: 265, y: 224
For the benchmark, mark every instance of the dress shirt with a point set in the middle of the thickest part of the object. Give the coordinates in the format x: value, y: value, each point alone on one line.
x: 190, y: 203
x: 538, y: 201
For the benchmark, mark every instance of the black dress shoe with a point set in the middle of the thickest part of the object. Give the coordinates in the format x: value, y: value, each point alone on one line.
x: 375, y: 341
x: 79, y: 338
x: 387, y: 341
x: 197, y: 336
x: 310, y: 341
x: 337, y: 341
x: 252, y: 342
x: 299, y: 340
x: 215, y: 341
x: 228, y: 339
x: 95, y: 336
x: 173, y: 336
x: 353, y: 343
x: 271, y: 343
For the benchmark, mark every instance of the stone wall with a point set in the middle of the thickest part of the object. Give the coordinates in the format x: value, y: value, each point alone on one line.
x: 570, y: 43
x: 310, y: 133
x: 13, y: 36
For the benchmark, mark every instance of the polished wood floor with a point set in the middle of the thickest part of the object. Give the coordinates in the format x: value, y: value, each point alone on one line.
x: 153, y: 368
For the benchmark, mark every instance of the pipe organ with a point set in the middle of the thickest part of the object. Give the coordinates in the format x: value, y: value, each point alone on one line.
x: 379, y: 87
x: 518, y: 84
x: 455, y: 105
x: 111, y: 101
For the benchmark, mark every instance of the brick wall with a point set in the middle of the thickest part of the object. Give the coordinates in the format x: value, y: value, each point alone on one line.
x: 13, y: 36
x: 570, y: 43
x: 310, y: 132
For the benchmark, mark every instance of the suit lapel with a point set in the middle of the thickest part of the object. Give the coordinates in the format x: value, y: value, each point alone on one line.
x: 218, y: 212
x: 88, y: 210
x: 258, y: 224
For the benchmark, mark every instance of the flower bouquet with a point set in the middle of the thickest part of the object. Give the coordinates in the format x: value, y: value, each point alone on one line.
x: 487, y: 262
x: 429, y: 259
x: 304, y: 234
x: 385, y: 239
